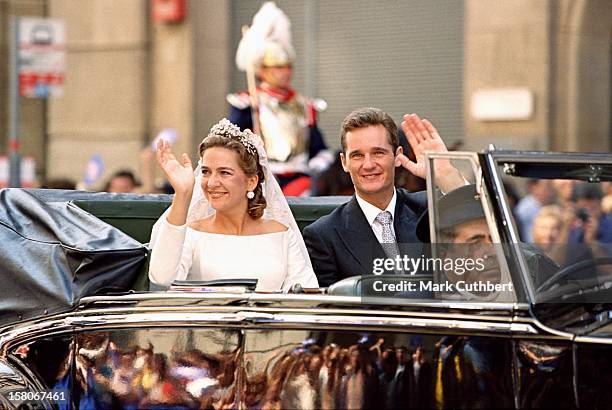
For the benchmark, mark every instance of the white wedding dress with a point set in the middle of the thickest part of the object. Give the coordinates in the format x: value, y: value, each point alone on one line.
x: 275, y: 259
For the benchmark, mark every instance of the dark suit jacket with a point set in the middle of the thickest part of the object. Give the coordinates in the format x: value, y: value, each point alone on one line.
x: 342, y: 243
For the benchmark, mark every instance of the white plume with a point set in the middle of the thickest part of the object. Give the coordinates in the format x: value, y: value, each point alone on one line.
x: 270, y: 25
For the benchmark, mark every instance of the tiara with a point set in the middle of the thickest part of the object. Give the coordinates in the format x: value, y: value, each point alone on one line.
x: 225, y: 128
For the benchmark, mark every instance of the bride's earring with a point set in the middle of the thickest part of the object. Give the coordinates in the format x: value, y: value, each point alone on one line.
x: 250, y: 194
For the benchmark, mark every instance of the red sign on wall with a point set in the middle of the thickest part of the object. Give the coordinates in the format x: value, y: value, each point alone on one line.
x: 42, y: 56
x: 168, y: 11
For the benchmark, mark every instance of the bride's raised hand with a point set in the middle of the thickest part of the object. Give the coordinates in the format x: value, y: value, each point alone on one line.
x: 178, y: 172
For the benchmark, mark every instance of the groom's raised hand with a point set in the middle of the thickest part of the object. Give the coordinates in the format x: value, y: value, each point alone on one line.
x: 424, y: 137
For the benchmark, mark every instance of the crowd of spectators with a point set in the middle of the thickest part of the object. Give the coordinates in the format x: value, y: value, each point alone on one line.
x: 566, y: 211
x: 569, y: 220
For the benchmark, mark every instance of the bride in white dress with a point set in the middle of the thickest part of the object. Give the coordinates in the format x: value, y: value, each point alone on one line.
x: 228, y: 219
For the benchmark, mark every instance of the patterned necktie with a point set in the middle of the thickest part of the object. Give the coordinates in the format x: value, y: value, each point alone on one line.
x: 388, y: 240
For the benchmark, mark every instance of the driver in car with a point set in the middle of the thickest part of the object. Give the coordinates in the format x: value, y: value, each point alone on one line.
x: 468, y: 265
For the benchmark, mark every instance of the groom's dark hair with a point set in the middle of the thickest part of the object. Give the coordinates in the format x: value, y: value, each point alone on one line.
x: 366, y: 117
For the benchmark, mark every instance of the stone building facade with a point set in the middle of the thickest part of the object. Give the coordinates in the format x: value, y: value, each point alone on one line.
x: 129, y: 76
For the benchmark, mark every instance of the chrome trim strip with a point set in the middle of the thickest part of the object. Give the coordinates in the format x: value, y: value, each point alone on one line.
x: 437, y: 304
x: 429, y: 184
x: 552, y: 157
x: 264, y: 297
x: 550, y: 330
x: 500, y: 188
x: 404, y: 323
x: 164, y: 317
x: 341, y: 321
x: 522, y: 326
x: 592, y: 339
x: 271, y: 310
x: 165, y: 295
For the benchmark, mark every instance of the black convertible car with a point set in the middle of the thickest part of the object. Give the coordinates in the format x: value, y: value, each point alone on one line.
x: 80, y: 329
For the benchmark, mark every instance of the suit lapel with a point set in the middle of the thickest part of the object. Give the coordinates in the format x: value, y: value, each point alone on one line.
x: 405, y: 223
x: 357, y: 235
x: 401, y: 223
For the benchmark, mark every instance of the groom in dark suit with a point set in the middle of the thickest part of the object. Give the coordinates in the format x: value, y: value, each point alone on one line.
x: 379, y: 216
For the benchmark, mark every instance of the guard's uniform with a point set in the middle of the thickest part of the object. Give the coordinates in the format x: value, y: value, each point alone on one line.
x: 288, y: 124
x: 287, y: 120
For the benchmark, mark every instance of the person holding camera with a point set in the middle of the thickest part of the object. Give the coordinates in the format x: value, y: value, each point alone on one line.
x: 590, y: 225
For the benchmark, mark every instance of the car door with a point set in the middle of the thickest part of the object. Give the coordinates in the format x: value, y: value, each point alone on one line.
x: 117, y: 354
x: 338, y: 353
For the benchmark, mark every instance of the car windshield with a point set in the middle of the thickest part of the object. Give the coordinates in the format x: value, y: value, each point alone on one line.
x: 562, y: 213
x: 467, y: 257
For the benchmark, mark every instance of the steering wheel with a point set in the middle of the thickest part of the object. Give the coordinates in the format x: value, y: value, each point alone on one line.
x: 573, y: 268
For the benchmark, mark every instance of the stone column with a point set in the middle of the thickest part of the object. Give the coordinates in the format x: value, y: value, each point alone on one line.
x: 582, y: 47
x: 507, y: 46
x: 103, y: 108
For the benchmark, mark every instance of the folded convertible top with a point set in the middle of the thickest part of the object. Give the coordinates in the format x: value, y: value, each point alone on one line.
x: 53, y: 253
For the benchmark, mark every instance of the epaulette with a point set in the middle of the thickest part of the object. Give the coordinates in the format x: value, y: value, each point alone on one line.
x: 314, y: 106
x: 319, y: 104
x: 239, y: 100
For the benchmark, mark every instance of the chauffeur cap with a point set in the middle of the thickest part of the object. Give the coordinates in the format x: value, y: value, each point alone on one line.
x: 458, y: 206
